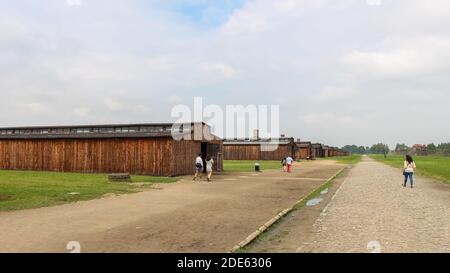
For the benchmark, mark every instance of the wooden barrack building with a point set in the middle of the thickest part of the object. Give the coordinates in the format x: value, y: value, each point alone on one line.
x: 326, y: 151
x: 316, y: 150
x: 258, y: 149
x: 304, y: 150
x: 147, y: 149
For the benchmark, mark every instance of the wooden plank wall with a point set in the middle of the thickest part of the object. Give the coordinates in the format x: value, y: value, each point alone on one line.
x: 317, y: 153
x: 216, y: 152
x: 184, y: 154
x: 253, y: 152
x: 304, y: 153
x: 136, y: 156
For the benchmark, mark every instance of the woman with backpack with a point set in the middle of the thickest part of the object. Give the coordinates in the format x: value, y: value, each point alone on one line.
x: 409, y: 167
x: 198, y: 167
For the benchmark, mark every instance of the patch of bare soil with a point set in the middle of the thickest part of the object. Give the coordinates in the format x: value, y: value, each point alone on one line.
x: 5, y: 197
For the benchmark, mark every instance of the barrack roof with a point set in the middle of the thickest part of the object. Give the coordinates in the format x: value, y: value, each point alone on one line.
x: 303, y: 144
x: 140, y: 130
x: 260, y: 141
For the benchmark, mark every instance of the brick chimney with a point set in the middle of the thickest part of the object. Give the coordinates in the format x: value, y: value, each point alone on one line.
x: 256, y: 134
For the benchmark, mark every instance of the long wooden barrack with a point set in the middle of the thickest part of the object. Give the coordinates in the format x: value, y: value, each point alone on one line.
x: 134, y: 148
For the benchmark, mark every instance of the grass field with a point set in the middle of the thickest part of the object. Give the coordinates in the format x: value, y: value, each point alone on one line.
x: 249, y: 165
x: 25, y: 190
x: 433, y: 166
x: 351, y: 160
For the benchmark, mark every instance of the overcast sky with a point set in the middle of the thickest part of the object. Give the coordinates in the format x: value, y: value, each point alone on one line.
x: 342, y: 71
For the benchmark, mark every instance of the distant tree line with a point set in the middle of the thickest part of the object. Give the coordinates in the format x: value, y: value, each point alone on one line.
x: 443, y: 148
x: 401, y: 148
x: 432, y: 149
x: 379, y: 148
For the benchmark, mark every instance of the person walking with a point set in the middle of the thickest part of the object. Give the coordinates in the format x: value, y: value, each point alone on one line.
x: 409, y: 167
x: 198, y: 167
x: 209, y: 167
x: 283, y: 163
x: 289, y: 162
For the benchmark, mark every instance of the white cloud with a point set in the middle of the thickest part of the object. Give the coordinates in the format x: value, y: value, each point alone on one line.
x: 335, y: 63
x: 34, y: 108
x: 81, y: 112
x: 327, y: 118
x: 330, y: 93
x: 374, y: 2
x: 113, y: 105
x: 173, y: 100
x: 220, y: 70
x: 142, y: 109
x: 265, y: 15
x: 414, y: 16
x: 72, y: 3
x: 402, y: 58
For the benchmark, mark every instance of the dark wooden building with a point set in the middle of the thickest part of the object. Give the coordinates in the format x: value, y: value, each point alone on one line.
x: 316, y: 150
x: 338, y: 152
x: 258, y: 149
x: 304, y: 150
x: 326, y: 151
x: 147, y: 149
x: 332, y: 151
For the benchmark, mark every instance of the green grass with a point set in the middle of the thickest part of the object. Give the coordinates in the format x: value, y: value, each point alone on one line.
x: 433, y: 166
x: 249, y: 165
x: 26, y: 189
x: 350, y: 160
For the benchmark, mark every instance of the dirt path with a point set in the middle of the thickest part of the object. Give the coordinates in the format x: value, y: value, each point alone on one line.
x: 372, y: 208
x: 183, y: 217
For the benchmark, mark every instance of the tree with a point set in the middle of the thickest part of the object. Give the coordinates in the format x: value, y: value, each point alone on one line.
x: 444, y: 149
x: 432, y: 149
x: 353, y: 149
x: 379, y: 148
x: 402, y: 148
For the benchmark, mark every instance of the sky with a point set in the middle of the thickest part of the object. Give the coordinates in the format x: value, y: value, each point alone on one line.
x: 343, y: 72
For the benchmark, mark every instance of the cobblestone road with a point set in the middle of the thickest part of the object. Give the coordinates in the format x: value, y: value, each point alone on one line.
x: 372, y: 208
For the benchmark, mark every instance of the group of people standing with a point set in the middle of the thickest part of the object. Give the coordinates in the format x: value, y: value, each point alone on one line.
x: 287, y: 164
x: 200, y: 167
x: 409, y: 167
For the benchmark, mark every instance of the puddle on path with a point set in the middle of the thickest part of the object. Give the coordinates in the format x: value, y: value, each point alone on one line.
x: 314, y: 202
